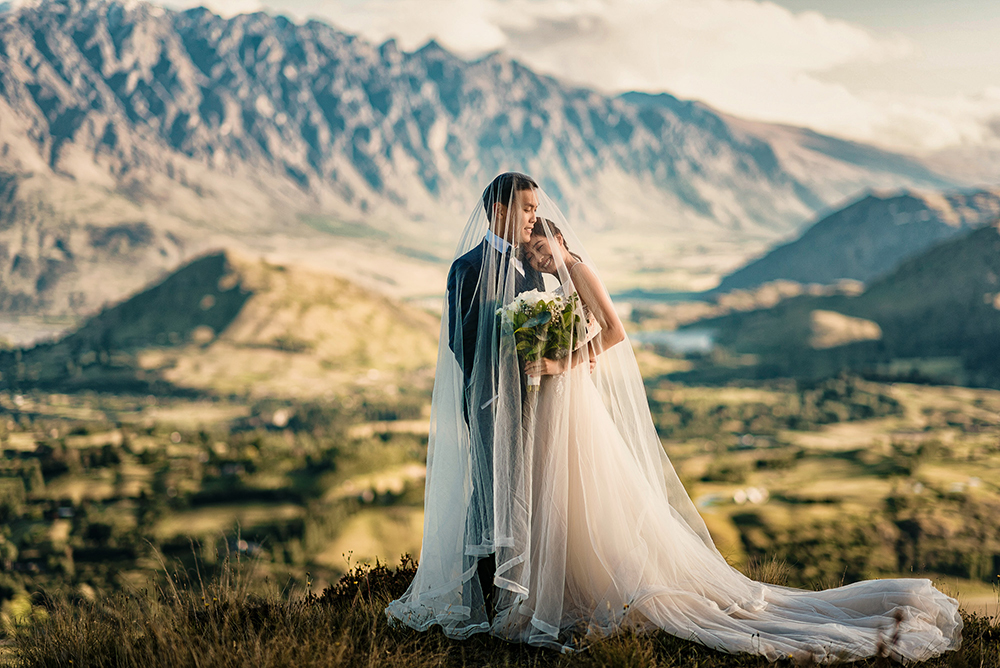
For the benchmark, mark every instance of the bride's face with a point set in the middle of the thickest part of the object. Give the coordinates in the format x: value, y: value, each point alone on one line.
x: 544, y: 255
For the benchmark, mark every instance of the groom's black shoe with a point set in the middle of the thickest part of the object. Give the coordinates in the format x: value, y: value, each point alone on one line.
x: 486, y: 567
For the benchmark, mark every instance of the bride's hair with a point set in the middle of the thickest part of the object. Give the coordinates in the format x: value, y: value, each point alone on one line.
x: 546, y: 228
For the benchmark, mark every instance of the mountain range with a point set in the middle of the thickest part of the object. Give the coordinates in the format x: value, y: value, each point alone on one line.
x: 870, y: 238
x: 134, y: 137
x: 935, y: 317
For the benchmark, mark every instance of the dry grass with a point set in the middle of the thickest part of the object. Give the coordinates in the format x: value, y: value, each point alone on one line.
x: 770, y: 570
x: 190, y: 620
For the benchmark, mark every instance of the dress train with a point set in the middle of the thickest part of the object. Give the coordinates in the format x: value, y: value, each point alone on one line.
x: 607, y: 551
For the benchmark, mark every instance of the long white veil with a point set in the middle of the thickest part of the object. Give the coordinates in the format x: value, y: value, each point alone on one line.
x: 475, y: 504
x: 568, y: 489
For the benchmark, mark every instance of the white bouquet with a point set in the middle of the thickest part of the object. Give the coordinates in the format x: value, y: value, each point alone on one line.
x: 544, y: 324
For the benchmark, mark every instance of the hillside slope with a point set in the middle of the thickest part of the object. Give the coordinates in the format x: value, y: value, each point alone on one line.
x: 869, y: 238
x: 225, y: 325
x: 945, y: 302
x: 824, y: 168
x: 937, y: 316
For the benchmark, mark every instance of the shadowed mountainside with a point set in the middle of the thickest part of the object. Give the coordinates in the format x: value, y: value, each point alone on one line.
x: 869, y: 238
x: 53, y: 264
x: 225, y: 325
x: 937, y: 316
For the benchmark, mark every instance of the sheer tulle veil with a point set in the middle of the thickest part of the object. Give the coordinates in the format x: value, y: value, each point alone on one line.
x: 568, y: 485
x: 475, y: 504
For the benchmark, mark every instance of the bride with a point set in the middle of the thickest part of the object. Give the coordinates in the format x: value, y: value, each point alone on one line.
x: 590, y: 530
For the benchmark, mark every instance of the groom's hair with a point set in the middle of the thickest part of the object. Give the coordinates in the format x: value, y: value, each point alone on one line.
x: 502, y: 188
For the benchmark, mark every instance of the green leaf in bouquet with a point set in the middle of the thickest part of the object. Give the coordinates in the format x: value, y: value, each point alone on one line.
x: 540, y: 319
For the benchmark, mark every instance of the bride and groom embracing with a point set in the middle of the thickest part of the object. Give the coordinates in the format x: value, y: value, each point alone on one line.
x: 552, y: 513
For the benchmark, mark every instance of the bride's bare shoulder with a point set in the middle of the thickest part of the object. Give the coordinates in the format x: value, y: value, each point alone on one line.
x: 581, y: 273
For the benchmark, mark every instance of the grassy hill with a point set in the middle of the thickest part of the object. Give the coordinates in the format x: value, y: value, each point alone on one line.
x: 227, y: 325
x: 223, y: 622
x: 937, y: 316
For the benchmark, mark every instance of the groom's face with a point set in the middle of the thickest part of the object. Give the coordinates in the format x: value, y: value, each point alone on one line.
x: 516, y: 222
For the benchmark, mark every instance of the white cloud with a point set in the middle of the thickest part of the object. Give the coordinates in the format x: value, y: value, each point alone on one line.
x: 748, y: 58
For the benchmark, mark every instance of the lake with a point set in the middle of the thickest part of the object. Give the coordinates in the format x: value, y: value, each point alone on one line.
x: 682, y: 341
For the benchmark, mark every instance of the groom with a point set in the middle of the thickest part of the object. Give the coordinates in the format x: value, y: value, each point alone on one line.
x: 510, y: 203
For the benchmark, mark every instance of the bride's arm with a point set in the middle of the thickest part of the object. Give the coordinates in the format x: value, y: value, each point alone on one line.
x: 597, y: 300
x: 612, y: 331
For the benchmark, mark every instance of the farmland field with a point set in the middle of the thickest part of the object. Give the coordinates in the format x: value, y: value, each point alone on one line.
x: 841, y: 480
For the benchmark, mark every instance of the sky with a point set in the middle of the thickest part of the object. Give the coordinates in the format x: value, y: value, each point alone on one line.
x: 910, y: 75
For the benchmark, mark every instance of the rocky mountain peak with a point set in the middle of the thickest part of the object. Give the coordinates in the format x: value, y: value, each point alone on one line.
x: 236, y: 129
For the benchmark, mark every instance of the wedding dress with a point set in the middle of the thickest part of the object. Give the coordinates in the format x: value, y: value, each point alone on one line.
x: 593, y: 532
x: 609, y: 554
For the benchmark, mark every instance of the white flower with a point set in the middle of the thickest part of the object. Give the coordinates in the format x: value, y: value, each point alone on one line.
x: 532, y: 297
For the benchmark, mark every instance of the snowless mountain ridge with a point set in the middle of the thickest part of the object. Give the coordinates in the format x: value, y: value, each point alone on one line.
x: 870, y: 238
x: 262, y: 132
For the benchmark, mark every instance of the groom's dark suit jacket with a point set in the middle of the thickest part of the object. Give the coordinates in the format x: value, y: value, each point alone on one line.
x: 464, y: 295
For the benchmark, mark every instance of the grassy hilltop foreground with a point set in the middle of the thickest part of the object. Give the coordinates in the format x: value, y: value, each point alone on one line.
x: 187, y: 621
